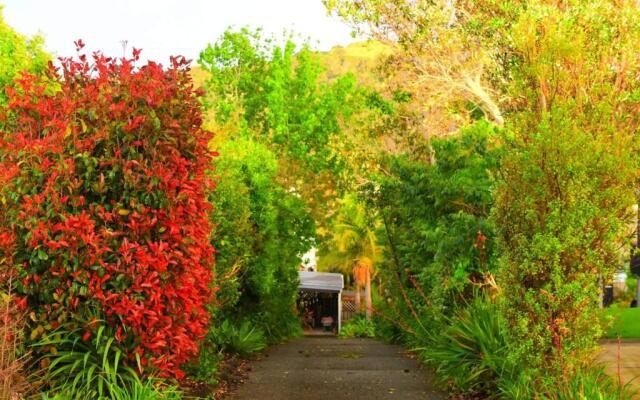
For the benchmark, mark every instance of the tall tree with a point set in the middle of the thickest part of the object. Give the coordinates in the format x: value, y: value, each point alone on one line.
x: 274, y: 93
x: 438, y: 65
x: 261, y: 231
x: 569, y: 172
x: 561, y: 76
x: 353, y: 247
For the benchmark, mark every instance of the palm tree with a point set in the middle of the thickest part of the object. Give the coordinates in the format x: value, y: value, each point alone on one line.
x: 353, y: 247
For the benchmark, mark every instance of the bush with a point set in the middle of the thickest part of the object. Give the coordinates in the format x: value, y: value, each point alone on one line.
x: 104, y: 217
x: 589, y: 383
x: 85, y: 369
x: 205, y: 368
x: 262, y: 229
x: 439, y: 237
x: 358, y: 326
x: 563, y: 207
x: 242, y: 339
x: 472, y: 352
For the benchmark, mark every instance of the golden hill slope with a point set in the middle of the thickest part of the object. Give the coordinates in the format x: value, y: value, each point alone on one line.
x: 361, y: 58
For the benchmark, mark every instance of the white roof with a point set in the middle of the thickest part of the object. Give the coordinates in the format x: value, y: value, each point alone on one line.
x: 321, y: 281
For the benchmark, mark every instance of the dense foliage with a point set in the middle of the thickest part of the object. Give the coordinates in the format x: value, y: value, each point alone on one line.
x: 484, y: 181
x: 104, y: 219
x: 563, y: 208
x: 436, y: 222
x: 274, y: 92
x: 561, y: 78
x: 262, y: 230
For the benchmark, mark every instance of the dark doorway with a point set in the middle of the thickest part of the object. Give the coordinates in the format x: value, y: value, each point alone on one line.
x: 319, y: 311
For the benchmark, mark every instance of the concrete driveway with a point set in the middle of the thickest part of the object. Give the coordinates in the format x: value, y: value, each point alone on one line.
x: 328, y: 368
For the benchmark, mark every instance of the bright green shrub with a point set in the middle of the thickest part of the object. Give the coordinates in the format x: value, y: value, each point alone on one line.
x: 358, y: 326
x: 261, y: 231
x: 561, y: 223
x: 568, y: 177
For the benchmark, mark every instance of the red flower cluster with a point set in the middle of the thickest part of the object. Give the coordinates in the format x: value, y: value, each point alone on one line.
x: 104, y: 217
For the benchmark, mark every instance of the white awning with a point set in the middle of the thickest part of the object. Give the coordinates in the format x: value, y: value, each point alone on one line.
x: 320, y: 281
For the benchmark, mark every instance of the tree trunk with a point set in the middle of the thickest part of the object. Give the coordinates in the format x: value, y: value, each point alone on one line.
x: 638, y: 293
x: 367, y: 295
x: 358, y: 297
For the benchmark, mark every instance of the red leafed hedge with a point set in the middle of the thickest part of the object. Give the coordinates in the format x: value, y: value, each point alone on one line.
x: 102, y: 182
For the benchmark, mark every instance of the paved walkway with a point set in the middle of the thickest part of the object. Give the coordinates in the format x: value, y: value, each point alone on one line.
x: 622, y: 358
x: 327, y: 368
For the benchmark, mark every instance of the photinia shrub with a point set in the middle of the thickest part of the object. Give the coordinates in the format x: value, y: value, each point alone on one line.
x: 104, y: 218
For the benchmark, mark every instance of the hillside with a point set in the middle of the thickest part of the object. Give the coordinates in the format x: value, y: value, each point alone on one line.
x: 361, y: 59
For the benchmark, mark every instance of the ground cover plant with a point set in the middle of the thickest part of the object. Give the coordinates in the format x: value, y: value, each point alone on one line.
x: 358, y: 327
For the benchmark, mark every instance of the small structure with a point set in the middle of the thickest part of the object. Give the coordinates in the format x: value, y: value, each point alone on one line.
x: 320, y: 300
x: 349, y: 305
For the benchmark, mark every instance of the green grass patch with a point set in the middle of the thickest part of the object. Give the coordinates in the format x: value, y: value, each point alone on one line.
x: 625, y: 322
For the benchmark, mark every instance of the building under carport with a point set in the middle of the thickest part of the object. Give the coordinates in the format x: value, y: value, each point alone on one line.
x: 320, y: 300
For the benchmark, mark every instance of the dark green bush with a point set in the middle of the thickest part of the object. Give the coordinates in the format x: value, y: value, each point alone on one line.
x: 472, y: 352
x: 242, y: 338
x: 261, y: 230
x: 436, y: 224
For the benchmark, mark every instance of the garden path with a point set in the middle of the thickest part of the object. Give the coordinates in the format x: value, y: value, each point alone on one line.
x: 328, y: 368
x: 622, y: 360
